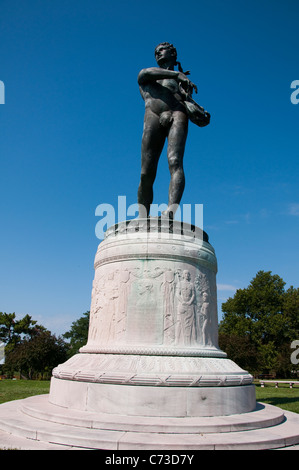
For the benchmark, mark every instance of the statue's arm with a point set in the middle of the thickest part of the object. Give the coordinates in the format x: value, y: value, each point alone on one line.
x: 178, y: 293
x: 156, y: 73
x: 190, y: 302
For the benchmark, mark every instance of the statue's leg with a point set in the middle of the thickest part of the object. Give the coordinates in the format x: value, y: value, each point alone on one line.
x: 189, y: 325
x: 176, y: 146
x: 152, y: 145
x: 179, y: 331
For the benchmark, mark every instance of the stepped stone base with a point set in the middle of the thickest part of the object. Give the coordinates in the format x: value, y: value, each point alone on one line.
x: 34, y: 423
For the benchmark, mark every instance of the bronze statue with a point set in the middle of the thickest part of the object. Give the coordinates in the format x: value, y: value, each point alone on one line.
x: 168, y: 107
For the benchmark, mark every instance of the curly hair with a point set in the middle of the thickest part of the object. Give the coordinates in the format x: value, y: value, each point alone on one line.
x: 173, y: 51
x: 168, y: 46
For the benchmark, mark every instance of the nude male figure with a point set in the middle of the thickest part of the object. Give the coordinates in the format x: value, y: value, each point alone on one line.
x: 185, y: 313
x: 164, y: 91
x: 205, y: 316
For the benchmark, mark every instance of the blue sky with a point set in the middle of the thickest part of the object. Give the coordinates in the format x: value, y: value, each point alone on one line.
x: 71, y: 130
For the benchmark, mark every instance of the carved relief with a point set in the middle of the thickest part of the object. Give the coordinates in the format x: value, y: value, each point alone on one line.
x: 185, y: 313
x: 204, y: 325
x: 97, y: 304
x: 204, y: 312
x: 105, y: 293
x: 201, y: 283
x: 150, y: 303
x: 168, y: 287
x: 145, y: 318
x: 124, y: 289
x: 112, y: 294
x: 152, y: 370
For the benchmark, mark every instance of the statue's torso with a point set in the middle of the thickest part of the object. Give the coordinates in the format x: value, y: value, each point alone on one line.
x: 186, y: 289
x: 162, y: 95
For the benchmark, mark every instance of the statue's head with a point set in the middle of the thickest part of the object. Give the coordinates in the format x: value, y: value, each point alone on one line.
x: 165, y: 50
x: 186, y: 275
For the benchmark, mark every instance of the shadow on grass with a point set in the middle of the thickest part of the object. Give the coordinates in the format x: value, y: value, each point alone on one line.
x: 280, y: 401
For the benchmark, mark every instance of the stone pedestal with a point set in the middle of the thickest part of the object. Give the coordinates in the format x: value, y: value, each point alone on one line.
x: 152, y: 347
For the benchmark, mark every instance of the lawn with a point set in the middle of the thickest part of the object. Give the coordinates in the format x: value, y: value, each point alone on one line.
x: 17, y: 389
x: 283, y: 397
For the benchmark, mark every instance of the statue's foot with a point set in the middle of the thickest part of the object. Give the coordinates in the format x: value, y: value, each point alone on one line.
x: 168, y: 214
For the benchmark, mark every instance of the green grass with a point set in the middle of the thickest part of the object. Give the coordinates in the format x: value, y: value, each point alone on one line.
x: 283, y: 397
x: 17, y: 389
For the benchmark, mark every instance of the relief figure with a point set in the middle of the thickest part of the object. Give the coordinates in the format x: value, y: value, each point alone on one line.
x: 185, y: 319
x: 124, y: 289
x: 168, y: 287
x: 204, y: 312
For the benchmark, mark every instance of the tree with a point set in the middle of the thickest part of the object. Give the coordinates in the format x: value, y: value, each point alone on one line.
x: 29, y: 347
x: 37, y: 355
x: 240, y: 350
x: 266, y: 317
x: 13, y: 331
x: 257, y: 310
x: 78, y: 334
x: 291, y: 312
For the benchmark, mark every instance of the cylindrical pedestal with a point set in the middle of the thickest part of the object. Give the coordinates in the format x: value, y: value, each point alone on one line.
x: 152, y: 347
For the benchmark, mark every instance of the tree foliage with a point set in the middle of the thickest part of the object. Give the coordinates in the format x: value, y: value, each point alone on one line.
x: 78, y: 334
x: 37, y: 356
x: 30, y: 348
x: 12, y: 331
x: 266, y: 317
